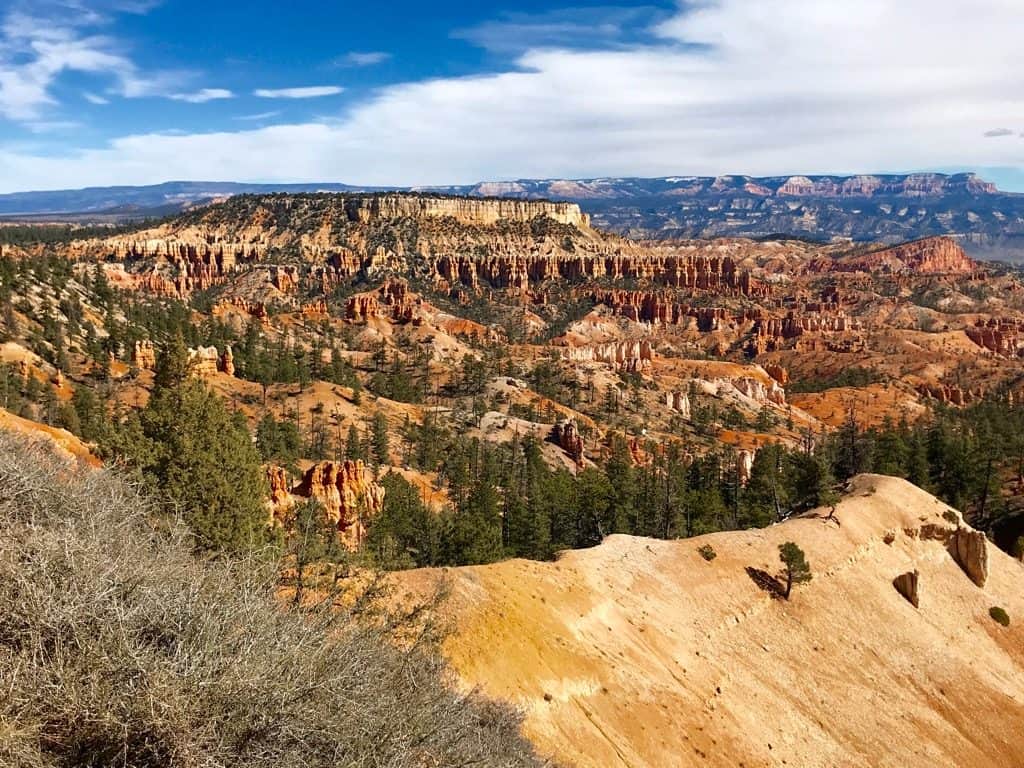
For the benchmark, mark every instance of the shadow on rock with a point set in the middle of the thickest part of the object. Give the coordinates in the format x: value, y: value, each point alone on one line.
x: 765, y: 581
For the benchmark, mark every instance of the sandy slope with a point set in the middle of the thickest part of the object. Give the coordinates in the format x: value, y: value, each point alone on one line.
x: 65, y: 443
x: 640, y: 653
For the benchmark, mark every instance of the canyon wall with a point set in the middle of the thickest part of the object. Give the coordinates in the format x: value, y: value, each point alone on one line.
x: 465, y: 210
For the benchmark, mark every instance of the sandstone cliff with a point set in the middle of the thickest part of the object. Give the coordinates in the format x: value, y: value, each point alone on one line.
x: 640, y: 653
x: 930, y: 256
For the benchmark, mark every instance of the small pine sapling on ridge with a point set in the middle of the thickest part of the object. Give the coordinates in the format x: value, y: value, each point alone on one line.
x: 798, y: 570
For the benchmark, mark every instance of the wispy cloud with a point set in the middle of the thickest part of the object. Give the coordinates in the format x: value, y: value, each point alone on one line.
x: 94, y: 98
x: 204, y: 95
x: 259, y: 116
x: 40, y: 42
x: 571, y: 28
x: 996, y: 133
x: 304, y: 92
x: 361, y: 59
x: 53, y: 126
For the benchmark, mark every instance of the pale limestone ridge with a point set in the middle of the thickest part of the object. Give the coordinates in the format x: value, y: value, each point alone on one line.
x: 640, y: 653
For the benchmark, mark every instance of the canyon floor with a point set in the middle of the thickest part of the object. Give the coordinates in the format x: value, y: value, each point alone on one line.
x: 641, y: 653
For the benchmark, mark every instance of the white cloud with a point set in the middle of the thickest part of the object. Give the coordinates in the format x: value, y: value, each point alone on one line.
x: 203, y: 96
x: 38, y: 46
x: 259, y: 115
x: 306, y: 92
x: 732, y: 86
x: 94, y: 98
x: 361, y: 59
x: 53, y: 126
x: 582, y: 28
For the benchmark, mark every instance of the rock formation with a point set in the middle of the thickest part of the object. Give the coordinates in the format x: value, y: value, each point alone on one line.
x: 207, y: 361
x: 777, y: 372
x: 660, y: 308
x: 255, y: 309
x: 472, y: 211
x: 759, y: 391
x: 285, y: 279
x: 349, y: 494
x: 144, y: 355
x: 970, y: 550
x: 625, y: 355
x: 565, y: 434
x: 281, y: 500
x: 676, y: 270
x: 907, y: 585
x: 950, y: 394
x: 679, y: 402
x: 1004, y: 336
x: 745, y: 464
x: 928, y: 256
x: 395, y: 295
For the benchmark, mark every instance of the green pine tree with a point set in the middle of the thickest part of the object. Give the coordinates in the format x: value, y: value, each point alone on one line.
x: 797, y: 569
x: 379, y: 439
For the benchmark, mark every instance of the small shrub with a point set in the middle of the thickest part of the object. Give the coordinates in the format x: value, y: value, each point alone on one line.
x: 707, y: 552
x: 999, y: 616
x: 1018, y: 548
x: 951, y: 517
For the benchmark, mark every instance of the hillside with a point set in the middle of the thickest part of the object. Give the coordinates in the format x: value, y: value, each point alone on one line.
x: 889, y: 208
x: 640, y: 653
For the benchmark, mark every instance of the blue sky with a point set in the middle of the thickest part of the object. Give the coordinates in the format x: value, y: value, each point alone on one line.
x: 96, y: 92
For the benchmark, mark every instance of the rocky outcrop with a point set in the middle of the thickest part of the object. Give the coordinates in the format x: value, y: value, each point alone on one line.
x: 281, y: 500
x: 970, y: 550
x: 745, y: 465
x: 907, y: 584
x: 285, y: 279
x: 680, y: 403
x: 568, y: 438
x: 676, y: 270
x: 949, y: 394
x: 349, y: 494
x: 144, y: 355
x: 392, y: 301
x: 659, y: 308
x: 256, y: 309
x: 625, y: 355
x: 759, y: 391
x: 1004, y: 336
x: 777, y: 372
x: 929, y: 256
x: 207, y: 361
x: 465, y: 210
x: 316, y: 310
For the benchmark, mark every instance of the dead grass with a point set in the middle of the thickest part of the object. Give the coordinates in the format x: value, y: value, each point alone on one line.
x: 119, y: 648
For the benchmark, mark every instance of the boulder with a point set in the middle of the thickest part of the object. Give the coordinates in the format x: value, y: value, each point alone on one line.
x: 569, y: 439
x: 907, y: 585
x: 970, y: 550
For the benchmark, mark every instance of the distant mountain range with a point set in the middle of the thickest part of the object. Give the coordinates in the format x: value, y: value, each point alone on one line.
x: 887, y: 208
